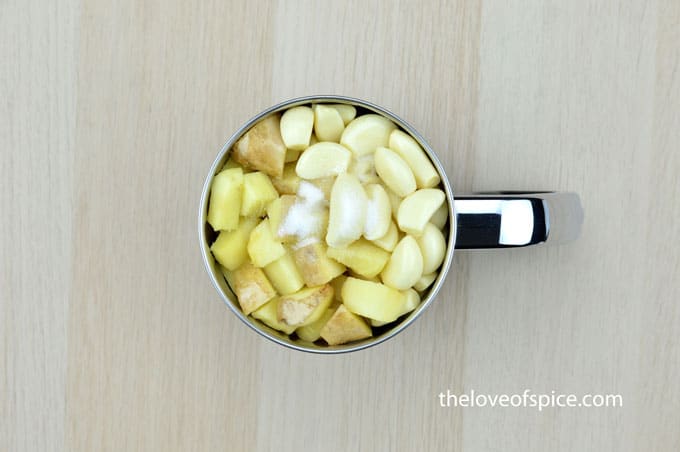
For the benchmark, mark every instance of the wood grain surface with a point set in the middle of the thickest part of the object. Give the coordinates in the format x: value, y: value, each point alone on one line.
x: 113, y: 339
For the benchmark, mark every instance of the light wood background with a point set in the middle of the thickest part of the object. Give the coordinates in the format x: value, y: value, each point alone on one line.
x: 113, y: 339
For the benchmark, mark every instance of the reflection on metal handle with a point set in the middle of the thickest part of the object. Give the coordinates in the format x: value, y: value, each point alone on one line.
x: 511, y: 219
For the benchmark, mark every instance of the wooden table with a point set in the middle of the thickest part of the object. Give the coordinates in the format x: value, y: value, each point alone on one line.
x: 112, y: 337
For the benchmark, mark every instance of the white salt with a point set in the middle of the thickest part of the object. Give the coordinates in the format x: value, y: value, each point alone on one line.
x: 304, y: 219
x: 347, y: 211
x: 364, y: 168
x: 310, y: 193
x: 371, y: 215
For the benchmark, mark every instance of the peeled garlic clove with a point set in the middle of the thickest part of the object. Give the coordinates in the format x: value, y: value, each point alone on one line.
x: 347, y: 211
x: 403, y: 144
x: 347, y: 112
x: 440, y: 216
x: 365, y: 133
x: 390, y: 239
x: 296, y: 127
x: 323, y: 159
x: 378, y: 212
x: 433, y: 248
x: 328, y: 124
x: 417, y: 209
x: 424, y: 282
x: 395, y: 202
x: 405, y: 266
x: 394, y: 171
x: 412, y: 300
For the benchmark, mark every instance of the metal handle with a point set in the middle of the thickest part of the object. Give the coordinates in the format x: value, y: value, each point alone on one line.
x: 512, y: 219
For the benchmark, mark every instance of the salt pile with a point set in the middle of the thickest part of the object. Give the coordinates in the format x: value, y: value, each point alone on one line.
x: 305, y: 218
